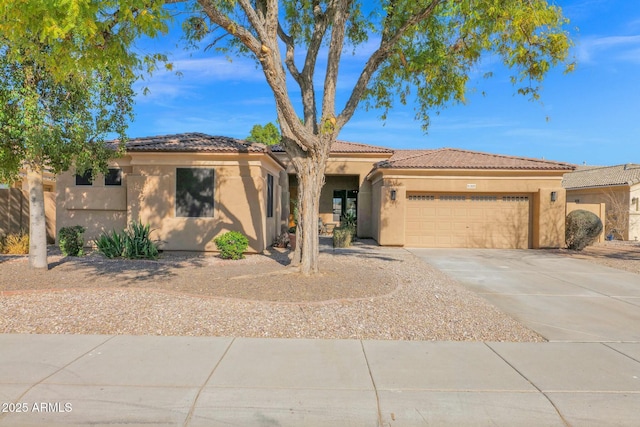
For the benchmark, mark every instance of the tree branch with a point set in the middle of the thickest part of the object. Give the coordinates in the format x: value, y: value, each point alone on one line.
x: 309, y: 96
x: 256, y: 22
x: 290, y: 54
x: 231, y: 27
x: 377, y: 58
x: 339, y: 15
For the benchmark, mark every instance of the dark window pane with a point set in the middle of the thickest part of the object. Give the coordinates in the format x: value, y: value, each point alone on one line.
x: 113, y: 177
x: 338, y: 201
x: 85, y: 178
x: 269, y: 196
x: 194, y: 192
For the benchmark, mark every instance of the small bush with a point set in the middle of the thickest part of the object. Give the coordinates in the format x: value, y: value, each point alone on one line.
x: 582, y: 229
x: 342, y: 237
x: 111, y: 244
x: 133, y: 243
x: 15, y: 244
x: 231, y: 245
x: 72, y: 240
x: 349, y: 220
x: 137, y: 243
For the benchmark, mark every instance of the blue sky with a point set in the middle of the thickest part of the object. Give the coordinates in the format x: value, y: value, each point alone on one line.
x: 589, y: 116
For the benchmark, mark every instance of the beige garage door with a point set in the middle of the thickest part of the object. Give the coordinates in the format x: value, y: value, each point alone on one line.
x: 467, y: 221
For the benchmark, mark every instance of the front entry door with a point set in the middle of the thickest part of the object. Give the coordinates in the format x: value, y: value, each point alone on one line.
x: 345, y: 202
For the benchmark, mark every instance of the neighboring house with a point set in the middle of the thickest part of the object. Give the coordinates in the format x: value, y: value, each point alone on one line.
x: 48, y: 182
x: 618, y: 187
x: 14, y: 206
x: 192, y: 187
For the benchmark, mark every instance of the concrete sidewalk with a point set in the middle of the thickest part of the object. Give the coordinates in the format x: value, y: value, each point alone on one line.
x: 181, y: 381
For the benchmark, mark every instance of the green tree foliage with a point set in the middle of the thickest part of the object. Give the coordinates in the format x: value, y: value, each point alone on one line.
x: 267, y: 134
x: 419, y: 51
x: 66, y: 71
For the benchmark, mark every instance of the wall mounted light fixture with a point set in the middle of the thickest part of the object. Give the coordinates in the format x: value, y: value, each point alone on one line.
x: 554, y: 196
x: 393, y: 194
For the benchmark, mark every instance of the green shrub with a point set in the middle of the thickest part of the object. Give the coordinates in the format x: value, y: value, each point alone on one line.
x: 342, y: 237
x: 348, y: 219
x: 132, y: 243
x: 231, y: 245
x: 72, y: 240
x: 15, y: 244
x: 582, y: 229
x: 137, y: 244
x: 111, y: 244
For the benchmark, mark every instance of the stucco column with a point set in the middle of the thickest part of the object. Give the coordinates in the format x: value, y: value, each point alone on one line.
x: 393, y: 206
x: 549, y: 218
x: 283, y: 223
x: 364, y: 210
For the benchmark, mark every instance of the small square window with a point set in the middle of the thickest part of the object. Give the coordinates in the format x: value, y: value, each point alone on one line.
x: 113, y: 177
x: 85, y: 178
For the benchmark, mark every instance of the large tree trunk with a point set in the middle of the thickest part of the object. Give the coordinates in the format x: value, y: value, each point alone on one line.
x: 310, y: 181
x: 37, y: 222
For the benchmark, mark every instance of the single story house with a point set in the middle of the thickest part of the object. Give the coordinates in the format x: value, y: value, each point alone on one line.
x: 618, y: 187
x: 189, y: 187
x: 192, y: 187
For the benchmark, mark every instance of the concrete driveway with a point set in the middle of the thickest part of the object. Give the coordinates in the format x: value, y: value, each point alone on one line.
x: 561, y: 298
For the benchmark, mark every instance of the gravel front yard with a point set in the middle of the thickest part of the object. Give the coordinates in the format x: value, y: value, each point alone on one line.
x: 368, y: 292
x: 615, y: 254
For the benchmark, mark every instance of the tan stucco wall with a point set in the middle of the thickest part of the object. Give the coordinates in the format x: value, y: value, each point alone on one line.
x: 148, y: 195
x: 392, y: 213
x: 634, y: 214
x: 549, y: 218
x: 615, y: 197
x: 547, y: 222
x: 376, y: 202
x: 97, y: 207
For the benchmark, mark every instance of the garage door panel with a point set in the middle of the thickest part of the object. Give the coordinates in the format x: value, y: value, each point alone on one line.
x: 428, y: 211
x: 460, y: 212
x: 414, y: 212
x: 475, y: 221
x: 428, y: 227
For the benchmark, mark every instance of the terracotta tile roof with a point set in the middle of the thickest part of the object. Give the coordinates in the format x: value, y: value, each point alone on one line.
x: 193, y: 142
x: 346, y: 147
x: 452, y: 158
x: 602, y: 176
